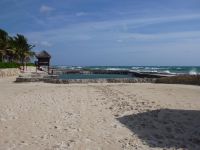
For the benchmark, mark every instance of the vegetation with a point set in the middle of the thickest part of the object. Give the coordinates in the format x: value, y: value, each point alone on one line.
x: 9, y: 65
x: 4, y: 40
x: 30, y: 64
x: 14, y: 50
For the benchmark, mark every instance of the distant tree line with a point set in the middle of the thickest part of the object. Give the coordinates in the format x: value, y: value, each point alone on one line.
x: 15, y: 49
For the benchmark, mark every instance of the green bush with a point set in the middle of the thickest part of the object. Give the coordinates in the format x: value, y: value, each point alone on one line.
x: 9, y: 65
x: 30, y: 64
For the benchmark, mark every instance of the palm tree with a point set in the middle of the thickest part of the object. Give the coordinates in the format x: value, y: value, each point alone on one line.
x: 4, y: 42
x: 22, y: 49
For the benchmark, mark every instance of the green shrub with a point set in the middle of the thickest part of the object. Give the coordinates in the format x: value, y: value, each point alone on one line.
x: 30, y: 64
x: 9, y: 65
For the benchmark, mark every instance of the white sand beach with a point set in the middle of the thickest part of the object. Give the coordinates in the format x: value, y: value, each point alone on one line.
x: 41, y: 116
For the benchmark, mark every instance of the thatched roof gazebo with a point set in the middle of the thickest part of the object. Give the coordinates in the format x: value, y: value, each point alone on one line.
x: 43, y: 59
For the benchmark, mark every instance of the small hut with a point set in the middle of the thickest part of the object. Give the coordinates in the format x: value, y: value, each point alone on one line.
x: 43, y: 59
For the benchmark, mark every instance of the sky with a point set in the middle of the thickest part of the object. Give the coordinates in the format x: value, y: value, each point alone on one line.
x: 108, y: 32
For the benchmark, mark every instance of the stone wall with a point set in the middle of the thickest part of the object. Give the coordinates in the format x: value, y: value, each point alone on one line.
x: 120, y: 80
x: 15, y: 71
x: 70, y: 81
x: 9, y: 72
x: 181, y: 79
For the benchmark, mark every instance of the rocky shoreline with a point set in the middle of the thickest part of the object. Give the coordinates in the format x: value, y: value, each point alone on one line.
x: 9, y: 72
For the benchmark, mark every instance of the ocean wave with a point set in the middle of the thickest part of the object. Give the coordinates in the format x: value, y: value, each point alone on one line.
x: 79, y: 67
x: 193, y: 72
x: 62, y: 67
x: 116, y: 69
x: 167, y: 71
x: 136, y: 68
x: 151, y: 69
x: 156, y: 68
x: 179, y: 68
x: 96, y: 68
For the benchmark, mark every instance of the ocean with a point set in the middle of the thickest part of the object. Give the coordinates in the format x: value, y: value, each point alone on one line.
x: 192, y: 70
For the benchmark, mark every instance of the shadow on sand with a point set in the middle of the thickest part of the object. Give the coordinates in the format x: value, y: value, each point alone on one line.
x: 166, y: 128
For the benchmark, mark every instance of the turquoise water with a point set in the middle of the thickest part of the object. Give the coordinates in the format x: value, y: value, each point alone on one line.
x: 92, y: 76
x: 153, y: 69
x: 174, y: 70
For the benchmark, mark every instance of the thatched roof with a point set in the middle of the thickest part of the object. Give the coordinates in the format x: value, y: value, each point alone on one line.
x: 43, y: 54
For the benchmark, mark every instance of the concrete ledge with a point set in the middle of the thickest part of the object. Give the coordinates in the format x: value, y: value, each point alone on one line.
x: 22, y: 79
x: 71, y: 81
x: 9, y: 72
x: 181, y: 79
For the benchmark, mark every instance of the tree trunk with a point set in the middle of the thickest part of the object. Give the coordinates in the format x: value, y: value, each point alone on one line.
x: 1, y: 58
x: 22, y: 63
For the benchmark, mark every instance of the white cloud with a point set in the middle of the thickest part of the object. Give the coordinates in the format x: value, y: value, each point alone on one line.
x: 42, y: 43
x: 134, y: 23
x: 45, y: 44
x: 112, y: 31
x: 79, y: 14
x: 84, y: 32
x: 113, y: 24
x: 161, y: 36
x: 119, y: 40
x: 46, y: 9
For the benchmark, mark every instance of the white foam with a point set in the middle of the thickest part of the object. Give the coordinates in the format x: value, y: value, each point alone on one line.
x: 167, y: 71
x: 193, y: 72
x: 136, y: 68
x: 78, y: 67
x: 178, y: 68
x: 113, y: 69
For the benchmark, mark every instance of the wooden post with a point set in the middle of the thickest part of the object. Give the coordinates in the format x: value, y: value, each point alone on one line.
x: 48, y: 66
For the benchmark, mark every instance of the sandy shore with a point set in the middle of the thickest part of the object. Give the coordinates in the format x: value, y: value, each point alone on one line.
x: 41, y: 116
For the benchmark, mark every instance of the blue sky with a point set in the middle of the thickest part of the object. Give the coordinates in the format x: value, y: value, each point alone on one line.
x: 108, y: 32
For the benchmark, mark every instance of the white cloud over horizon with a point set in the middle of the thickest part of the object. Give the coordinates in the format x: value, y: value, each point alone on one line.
x: 107, y: 31
x: 79, y: 14
x: 46, y: 9
x: 98, y: 30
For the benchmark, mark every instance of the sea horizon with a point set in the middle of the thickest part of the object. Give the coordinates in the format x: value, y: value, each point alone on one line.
x: 192, y: 70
